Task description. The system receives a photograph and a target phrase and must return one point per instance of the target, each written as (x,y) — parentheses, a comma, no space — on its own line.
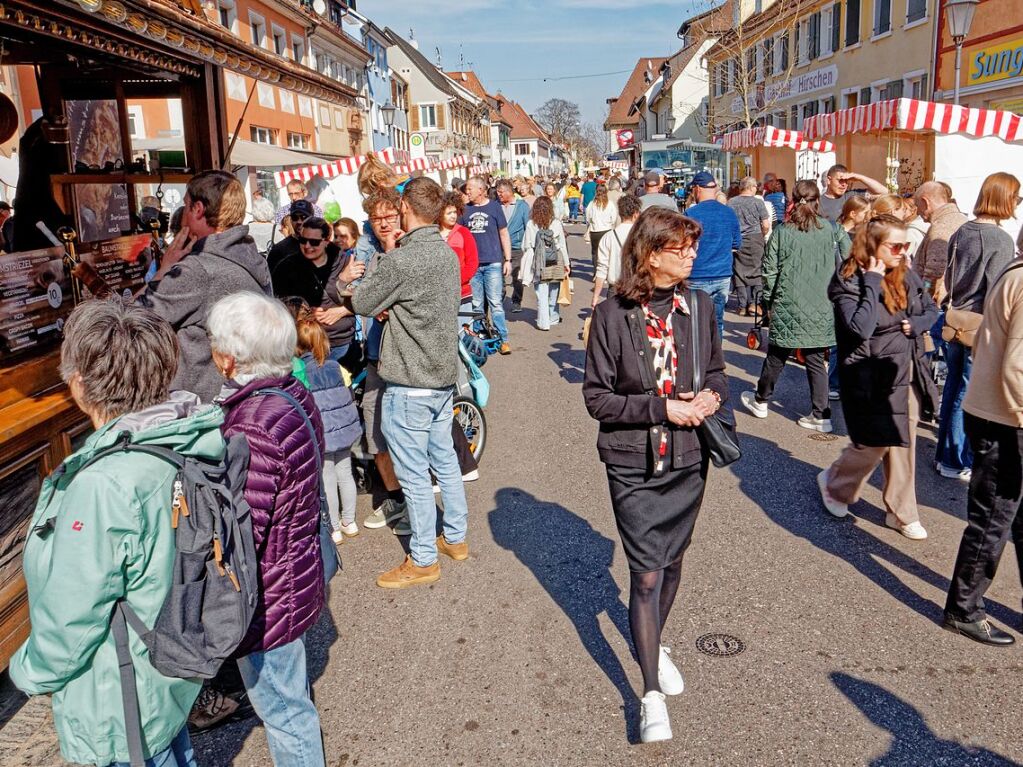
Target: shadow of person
(572,562)
(913,742)
(842,538)
(571,362)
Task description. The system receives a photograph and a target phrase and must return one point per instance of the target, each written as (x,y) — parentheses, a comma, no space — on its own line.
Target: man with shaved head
(485,219)
(936,207)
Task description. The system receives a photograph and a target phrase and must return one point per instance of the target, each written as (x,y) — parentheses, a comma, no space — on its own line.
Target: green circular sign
(416,139)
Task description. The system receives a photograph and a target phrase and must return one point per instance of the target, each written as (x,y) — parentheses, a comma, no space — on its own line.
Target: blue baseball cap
(704,180)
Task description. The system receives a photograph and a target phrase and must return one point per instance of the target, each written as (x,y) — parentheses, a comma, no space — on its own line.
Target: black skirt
(655,515)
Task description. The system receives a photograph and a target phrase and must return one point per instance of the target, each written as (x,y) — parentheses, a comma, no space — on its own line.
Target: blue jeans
(833,384)
(337,353)
(573,208)
(953,448)
(178,754)
(417,426)
(547,313)
(717,289)
(278,685)
(488,282)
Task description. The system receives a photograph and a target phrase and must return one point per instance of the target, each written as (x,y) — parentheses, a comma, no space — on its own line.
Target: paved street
(520,655)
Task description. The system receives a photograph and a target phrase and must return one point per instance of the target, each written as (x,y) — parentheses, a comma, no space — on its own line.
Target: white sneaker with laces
(822,425)
(914,530)
(338,537)
(749,401)
(668,676)
(834,508)
(963,475)
(833,395)
(351,529)
(654,724)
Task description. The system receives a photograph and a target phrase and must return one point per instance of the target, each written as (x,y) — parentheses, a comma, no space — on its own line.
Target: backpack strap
(129,692)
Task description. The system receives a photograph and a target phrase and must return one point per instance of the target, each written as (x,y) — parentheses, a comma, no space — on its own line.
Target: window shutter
(414,115)
(441,123)
(852,22)
(836,27)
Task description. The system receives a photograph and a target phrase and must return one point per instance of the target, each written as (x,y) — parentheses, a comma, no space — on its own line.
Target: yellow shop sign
(999,62)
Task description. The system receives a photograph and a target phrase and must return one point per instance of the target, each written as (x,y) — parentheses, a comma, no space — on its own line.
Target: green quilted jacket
(798,267)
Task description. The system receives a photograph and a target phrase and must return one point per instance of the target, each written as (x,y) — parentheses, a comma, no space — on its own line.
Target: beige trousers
(850,472)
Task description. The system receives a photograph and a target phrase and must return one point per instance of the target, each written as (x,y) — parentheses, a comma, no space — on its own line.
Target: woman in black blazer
(639,385)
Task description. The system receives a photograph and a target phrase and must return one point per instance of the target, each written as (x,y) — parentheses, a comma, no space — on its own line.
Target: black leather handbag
(717,434)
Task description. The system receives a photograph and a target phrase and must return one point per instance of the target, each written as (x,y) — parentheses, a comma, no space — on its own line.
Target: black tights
(651,596)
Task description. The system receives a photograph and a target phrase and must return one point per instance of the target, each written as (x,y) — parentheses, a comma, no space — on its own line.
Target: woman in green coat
(800,261)
(103,533)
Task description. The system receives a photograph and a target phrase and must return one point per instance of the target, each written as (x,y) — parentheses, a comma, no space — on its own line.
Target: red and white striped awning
(346,166)
(913,115)
(769,136)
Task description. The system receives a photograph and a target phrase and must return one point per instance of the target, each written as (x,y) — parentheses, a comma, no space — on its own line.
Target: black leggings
(816,374)
(595,238)
(651,596)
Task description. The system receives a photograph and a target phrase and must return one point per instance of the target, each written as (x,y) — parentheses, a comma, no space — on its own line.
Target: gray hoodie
(219,265)
(977,255)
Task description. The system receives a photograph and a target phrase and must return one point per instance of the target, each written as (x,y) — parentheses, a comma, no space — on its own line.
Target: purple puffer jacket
(283,490)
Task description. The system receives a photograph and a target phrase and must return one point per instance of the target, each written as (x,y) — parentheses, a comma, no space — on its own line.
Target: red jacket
(464,244)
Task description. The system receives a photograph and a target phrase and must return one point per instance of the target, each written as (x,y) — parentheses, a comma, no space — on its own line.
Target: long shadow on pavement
(913,742)
(843,538)
(572,562)
(571,361)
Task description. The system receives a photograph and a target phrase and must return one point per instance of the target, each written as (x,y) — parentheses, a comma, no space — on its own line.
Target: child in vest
(341,425)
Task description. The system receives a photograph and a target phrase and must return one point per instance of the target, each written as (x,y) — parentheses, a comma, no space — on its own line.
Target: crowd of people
(243,350)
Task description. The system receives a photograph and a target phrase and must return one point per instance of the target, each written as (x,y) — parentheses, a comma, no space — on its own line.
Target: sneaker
(505,348)
(834,508)
(471,476)
(822,425)
(914,530)
(402,526)
(210,708)
(408,573)
(351,529)
(668,676)
(654,724)
(963,475)
(338,537)
(749,401)
(516,308)
(834,395)
(457,551)
(385,513)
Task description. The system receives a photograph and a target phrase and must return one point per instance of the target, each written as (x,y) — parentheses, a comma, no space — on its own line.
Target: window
(280,40)
(731,78)
(257,28)
(916,86)
(427,116)
(915,10)
(850,99)
(298,140)
(718,78)
(882,17)
(751,66)
(228,15)
(783,59)
(813,31)
(768,58)
(864,96)
(521,149)
(893,90)
(829,30)
(827,105)
(136,123)
(263,135)
(852,22)
(298,46)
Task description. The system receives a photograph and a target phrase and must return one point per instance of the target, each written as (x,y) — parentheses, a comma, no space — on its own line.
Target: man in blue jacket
(712,272)
(516,212)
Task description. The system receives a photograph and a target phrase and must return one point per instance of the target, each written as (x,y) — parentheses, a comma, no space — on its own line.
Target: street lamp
(388,110)
(960,19)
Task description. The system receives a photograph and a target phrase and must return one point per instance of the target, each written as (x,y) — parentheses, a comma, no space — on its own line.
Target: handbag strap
(694,340)
(952,269)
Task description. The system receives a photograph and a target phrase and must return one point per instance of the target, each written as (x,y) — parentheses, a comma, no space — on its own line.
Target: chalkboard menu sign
(121,262)
(35,299)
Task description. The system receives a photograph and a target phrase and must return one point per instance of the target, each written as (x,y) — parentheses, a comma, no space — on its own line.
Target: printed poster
(35,299)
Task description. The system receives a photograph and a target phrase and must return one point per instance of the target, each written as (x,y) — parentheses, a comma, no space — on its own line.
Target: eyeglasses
(296,195)
(897,248)
(382,219)
(313,242)
(682,252)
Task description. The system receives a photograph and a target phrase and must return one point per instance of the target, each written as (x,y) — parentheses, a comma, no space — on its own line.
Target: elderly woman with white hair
(253,340)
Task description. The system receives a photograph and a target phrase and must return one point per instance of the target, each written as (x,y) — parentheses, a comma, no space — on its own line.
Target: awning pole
(238,127)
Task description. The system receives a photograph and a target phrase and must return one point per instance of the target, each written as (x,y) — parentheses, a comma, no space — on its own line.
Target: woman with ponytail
(882,313)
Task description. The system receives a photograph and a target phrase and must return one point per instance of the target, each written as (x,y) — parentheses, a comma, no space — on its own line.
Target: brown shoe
(408,574)
(211,708)
(457,551)
(505,348)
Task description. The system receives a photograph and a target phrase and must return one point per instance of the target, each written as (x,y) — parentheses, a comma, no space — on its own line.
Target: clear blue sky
(505,40)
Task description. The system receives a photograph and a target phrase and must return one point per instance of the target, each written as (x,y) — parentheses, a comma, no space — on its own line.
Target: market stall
(786,153)
(906,142)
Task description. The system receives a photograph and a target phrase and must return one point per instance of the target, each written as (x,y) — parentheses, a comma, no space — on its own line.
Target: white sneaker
(654,724)
(472,476)
(834,395)
(822,425)
(834,508)
(963,475)
(351,529)
(338,537)
(668,676)
(914,530)
(749,401)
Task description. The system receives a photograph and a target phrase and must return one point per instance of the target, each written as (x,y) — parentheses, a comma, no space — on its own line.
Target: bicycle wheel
(470,417)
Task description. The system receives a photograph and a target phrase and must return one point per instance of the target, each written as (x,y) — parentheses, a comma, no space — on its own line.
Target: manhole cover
(820,437)
(721,645)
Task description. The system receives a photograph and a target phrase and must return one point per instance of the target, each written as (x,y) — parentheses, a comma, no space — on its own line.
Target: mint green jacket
(98,535)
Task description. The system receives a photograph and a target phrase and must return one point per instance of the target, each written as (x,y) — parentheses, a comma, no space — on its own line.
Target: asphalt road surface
(521,655)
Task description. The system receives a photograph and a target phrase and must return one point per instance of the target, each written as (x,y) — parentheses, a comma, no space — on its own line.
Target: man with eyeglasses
(297,190)
(838,188)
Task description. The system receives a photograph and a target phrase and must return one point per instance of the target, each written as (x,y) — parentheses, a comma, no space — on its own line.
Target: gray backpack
(214,581)
(546,266)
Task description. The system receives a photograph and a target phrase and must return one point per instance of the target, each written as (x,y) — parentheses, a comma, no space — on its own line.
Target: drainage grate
(720,645)
(821,437)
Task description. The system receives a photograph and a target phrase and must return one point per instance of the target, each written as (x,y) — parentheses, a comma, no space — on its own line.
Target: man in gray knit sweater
(417,289)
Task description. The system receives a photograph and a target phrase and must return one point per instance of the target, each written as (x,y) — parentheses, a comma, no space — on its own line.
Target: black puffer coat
(877,361)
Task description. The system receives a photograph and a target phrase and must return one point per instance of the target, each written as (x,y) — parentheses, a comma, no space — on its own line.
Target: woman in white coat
(544,260)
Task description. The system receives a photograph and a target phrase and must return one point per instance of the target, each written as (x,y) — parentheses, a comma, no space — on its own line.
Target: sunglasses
(898,248)
(313,242)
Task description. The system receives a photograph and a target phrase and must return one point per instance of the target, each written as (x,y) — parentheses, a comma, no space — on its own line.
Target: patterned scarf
(660,333)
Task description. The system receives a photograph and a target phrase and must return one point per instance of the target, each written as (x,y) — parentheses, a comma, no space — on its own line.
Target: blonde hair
(222,196)
(887,205)
(374,176)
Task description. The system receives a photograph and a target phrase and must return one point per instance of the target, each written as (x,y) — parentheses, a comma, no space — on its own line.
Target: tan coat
(932,256)
(996,382)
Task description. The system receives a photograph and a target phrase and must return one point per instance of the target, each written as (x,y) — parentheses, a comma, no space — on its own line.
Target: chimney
(412,39)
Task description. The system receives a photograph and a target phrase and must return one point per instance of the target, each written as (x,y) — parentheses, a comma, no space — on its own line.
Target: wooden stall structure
(78,169)
(786,153)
